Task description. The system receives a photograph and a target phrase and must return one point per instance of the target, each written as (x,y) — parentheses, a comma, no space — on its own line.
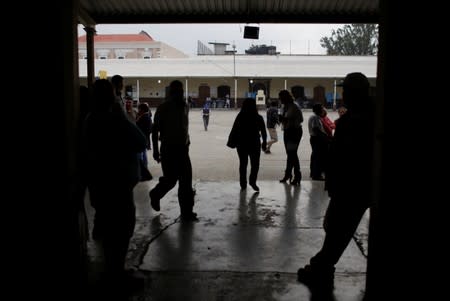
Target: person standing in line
(205,115)
(291,120)
(319,140)
(171,127)
(272,122)
(328,124)
(246,134)
(124,103)
(348,181)
(112,145)
(341,111)
(117,83)
(129,110)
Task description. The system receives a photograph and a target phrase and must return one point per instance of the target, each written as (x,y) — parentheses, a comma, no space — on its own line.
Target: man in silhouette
(171,127)
(348,181)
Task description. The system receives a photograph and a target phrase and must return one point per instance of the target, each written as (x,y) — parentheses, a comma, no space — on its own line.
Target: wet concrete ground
(246,245)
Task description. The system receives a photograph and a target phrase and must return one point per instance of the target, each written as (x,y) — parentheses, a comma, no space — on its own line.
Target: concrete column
(187,89)
(90,33)
(405,254)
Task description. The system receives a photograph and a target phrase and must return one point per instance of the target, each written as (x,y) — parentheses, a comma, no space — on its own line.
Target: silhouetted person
(247,131)
(113,145)
(145,124)
(81,157)
(341,111)
(117,83)
(319,140)
(348,180)
(291,120)
(171,127)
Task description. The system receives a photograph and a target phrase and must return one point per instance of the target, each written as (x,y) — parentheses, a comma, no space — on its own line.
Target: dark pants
(292,139)
(176,166)
(319,152)
(115,219)
(205,122)
(341,221)
(244,152)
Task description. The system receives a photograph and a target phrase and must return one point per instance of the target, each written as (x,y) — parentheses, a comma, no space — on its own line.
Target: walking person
(348,181)
(291,120)
(272,122)
(171,128)
(227,101)
(246,134)
(205,115)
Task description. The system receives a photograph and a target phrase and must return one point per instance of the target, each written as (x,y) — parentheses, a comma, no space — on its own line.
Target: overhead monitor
(251,32)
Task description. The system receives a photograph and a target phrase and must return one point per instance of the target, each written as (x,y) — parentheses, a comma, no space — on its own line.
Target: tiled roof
(126,38)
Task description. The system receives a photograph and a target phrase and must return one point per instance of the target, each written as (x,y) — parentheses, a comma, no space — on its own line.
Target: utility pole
(334,96)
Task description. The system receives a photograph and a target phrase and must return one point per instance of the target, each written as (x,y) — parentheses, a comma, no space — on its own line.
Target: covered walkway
(246,245)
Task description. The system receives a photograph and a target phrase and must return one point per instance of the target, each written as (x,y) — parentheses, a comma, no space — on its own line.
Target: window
(102,57)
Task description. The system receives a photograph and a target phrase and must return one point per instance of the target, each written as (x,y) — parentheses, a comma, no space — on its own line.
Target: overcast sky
(288,38)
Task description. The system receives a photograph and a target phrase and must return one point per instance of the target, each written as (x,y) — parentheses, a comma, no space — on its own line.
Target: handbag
(232,139)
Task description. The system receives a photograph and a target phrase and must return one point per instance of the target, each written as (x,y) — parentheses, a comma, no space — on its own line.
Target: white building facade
(239,76)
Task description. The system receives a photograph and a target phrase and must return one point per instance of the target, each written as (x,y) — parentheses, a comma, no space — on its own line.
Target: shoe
(154,201)
(189,217)
(134,280)
(267,151)
(255,188)
(316,279)
(286,178)
(296,181)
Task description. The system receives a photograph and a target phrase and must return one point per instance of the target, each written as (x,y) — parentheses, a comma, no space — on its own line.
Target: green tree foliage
(352,39)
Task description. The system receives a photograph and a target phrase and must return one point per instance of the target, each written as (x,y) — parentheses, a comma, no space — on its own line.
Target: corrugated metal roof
(231,11)
(246,66)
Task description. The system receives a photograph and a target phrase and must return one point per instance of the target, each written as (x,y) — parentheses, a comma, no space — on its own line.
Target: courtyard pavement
(246,245)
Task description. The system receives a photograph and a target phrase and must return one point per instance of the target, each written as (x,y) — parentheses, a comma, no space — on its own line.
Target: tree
(354,39)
